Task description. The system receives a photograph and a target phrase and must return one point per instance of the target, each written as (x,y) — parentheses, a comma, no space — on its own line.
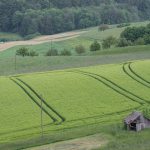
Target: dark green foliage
(137,35)
(52,52)
(52,16)
(95,46)
(22,52)
(148,26)
(65,52)
(147,39)
(3,40)
(103,27)
(80,49)
(108,42)
(122,42)
(133,33)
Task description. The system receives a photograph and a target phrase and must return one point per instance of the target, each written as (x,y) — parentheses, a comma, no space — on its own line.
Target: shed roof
(132,117)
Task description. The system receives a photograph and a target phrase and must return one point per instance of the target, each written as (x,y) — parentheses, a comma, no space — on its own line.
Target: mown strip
(114,86)
(33,99)
(47,105)
(128,71)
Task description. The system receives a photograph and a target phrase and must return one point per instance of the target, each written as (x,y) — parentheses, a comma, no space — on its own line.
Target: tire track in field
(114,87)
(34,100)
(129,71)
(39,97)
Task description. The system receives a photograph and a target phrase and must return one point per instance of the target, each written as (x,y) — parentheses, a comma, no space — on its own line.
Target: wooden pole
(51,44)
(15,61)
(42,116)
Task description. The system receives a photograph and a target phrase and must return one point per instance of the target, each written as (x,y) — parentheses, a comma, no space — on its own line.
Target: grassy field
(72,99)
(42,63)
(10,36)
(84,39)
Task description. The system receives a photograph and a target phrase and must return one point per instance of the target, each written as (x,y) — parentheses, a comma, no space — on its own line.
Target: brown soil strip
(41,39)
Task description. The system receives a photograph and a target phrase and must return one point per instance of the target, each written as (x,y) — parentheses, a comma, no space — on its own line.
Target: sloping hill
(71,98)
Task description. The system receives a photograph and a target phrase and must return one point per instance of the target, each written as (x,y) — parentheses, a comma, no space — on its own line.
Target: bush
(133,33)
(95,46)
(22,52)
(103,27)
(52,52)
(122,42)
(65,52)
(148,26)
(80,49)
(139,41)
(123,25)
(147,39)
(3,40)
(33,53)
(108,42)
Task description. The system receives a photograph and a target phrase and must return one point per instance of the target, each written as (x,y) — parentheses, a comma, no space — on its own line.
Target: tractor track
(129,71)
(33,99)
(114,86)
(50,107)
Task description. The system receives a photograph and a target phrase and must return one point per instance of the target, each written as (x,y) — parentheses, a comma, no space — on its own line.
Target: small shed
(136,122)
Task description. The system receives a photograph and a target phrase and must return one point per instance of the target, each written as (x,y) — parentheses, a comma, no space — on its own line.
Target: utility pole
(15,61)
(42,116)
(51,44)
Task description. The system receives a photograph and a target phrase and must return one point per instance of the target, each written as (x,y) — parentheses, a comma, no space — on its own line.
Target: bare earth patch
(41,39)
(85,143)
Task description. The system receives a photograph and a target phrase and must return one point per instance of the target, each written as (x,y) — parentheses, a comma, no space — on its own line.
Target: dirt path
(41,39)
(85,143)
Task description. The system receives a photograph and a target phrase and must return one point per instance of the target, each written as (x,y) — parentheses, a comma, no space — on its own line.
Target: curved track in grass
(114,87)
(50,107)
(132,74)
(33,99)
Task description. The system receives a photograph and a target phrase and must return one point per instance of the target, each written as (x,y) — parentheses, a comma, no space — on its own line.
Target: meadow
(71,99)
(43,63)
(9,36)
(85,39)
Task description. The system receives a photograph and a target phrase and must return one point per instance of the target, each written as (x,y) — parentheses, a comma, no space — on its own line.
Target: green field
(10,36)
(71,99)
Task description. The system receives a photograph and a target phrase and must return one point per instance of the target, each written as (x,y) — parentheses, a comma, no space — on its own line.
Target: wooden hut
(136,122)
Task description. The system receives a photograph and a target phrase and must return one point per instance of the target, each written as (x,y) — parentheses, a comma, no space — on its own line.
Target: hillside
(67,100)
(34,17)
(69,41)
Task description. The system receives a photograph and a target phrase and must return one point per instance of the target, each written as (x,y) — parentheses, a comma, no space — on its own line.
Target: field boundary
(128,71)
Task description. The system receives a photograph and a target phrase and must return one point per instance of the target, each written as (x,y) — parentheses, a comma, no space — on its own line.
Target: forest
(27,17)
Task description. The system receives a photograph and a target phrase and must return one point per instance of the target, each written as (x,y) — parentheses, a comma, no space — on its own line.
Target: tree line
(28,17)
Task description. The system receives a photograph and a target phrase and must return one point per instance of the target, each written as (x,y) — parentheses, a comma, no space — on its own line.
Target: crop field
(71,98)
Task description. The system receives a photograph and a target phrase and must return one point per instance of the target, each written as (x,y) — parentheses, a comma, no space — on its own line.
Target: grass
(76,102)
(42,63)
(85,39)
(76,98)
(129,140)
(10,36)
